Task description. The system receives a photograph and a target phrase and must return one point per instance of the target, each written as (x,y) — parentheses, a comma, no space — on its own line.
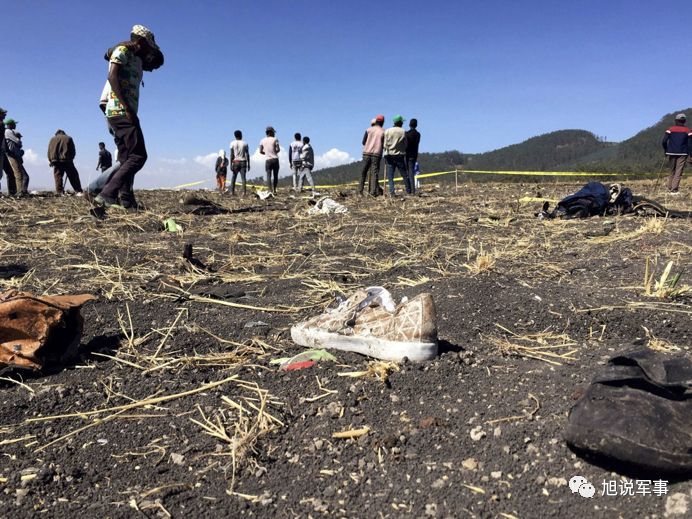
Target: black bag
(637,414)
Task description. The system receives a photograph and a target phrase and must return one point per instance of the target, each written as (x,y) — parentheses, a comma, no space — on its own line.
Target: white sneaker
(364,324)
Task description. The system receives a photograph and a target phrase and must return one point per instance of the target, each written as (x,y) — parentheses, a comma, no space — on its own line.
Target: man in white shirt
(269,147)
(294,151)
(240,160)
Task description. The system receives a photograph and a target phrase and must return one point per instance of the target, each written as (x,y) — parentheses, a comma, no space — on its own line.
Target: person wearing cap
(221,169)
(240,160)
(124,77)
(412,143)
(373,140)
(677,146)
(61,154)
(269,147)
(14,155)
(294,158)
(395,154)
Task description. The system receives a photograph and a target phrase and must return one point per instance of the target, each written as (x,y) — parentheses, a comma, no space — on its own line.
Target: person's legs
(58,173)
(375,176)
(97,184)
(17,172)
(234,175)
(410,167)
(73,176)
(243,174)
(677,169)
(308,174)
(132,154)
(268,174)
(400,162)
(367,164)
(275,171)
(390,163)
(9,174)
(295,169)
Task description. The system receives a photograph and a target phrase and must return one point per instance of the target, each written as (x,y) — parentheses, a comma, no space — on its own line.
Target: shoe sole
(371,346)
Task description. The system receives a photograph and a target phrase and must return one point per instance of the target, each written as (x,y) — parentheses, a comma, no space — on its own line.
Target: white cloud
(333,157)
(207,160)
(31,158)
(173,161)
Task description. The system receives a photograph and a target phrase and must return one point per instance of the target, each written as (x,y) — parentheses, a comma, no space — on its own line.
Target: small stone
(177,458)
(469,464)
(557,482)
(497,432)
(439,483)
(477,433)
(395,399)
(431,509)
(496,474)
(676,505)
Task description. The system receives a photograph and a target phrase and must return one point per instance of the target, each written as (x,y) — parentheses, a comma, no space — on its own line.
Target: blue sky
(477,75)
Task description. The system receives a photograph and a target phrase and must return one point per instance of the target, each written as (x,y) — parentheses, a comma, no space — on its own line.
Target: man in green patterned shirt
(124,77)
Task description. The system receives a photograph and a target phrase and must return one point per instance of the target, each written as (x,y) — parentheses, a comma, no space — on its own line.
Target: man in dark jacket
(61,154)
(105,158)
(412,143)
(676,144)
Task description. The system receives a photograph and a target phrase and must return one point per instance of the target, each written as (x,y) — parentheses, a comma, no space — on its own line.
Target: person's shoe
(79,193)
(369,323)
(674,192)
(105,202)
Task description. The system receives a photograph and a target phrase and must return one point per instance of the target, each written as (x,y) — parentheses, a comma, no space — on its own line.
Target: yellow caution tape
(464,172)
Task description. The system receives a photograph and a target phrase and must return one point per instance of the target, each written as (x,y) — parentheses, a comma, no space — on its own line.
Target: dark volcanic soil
(477,432)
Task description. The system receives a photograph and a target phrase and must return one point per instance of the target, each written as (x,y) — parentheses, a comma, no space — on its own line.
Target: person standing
(14,155)
(294,151)
(221,168)
(61,154)
(269,147)
(412,143)
(307,160)
(676,144)
(105,158)
(372,156)
(124,77)
(240,160)
(3,113)
(395,153)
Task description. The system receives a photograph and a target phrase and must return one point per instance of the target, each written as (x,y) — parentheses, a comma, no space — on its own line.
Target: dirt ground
(173,407)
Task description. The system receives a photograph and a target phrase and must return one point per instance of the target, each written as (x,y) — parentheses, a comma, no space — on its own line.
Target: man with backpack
(126,63)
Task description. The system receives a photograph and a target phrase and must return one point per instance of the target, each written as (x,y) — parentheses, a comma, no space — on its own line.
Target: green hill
(562,150)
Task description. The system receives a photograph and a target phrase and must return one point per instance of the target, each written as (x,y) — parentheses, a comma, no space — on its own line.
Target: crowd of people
(119,103)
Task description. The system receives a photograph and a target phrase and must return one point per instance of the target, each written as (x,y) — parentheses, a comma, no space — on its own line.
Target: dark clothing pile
(596,199)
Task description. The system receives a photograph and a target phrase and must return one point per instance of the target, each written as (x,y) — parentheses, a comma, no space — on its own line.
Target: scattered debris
(352,433)
(305,359)
(327,205)
(38,332)
(619,416)
(170,225)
